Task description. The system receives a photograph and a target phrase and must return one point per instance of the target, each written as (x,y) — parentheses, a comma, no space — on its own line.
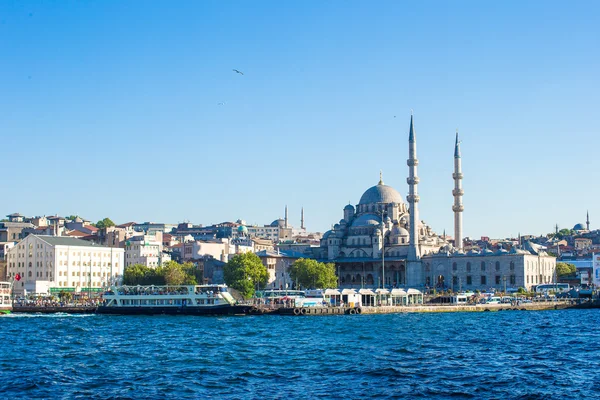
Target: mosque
(382,242)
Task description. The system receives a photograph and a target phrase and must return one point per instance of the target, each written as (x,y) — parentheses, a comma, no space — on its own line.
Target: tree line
(171,273)
(247,274)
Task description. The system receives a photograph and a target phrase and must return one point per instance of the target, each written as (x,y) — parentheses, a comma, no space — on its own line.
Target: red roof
(126,225)
(77,234)
(91,228)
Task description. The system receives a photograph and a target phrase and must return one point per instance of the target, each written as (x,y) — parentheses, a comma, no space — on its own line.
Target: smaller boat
(171,300)
(5,297)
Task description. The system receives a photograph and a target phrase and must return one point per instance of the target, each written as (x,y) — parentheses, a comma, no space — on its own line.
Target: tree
(71,217)
(565,269)
(104,223)
(312,274)
(245,272)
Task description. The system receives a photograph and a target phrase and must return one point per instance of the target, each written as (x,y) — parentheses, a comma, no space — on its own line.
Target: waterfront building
(50,264)
(278,265)
(382,242)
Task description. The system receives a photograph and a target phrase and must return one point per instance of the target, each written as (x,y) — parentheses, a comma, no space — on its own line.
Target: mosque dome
(486,252)
(242,229)
(326,235)
(366,220)
(349,207)
(380,193)
(278,222)
(579,227)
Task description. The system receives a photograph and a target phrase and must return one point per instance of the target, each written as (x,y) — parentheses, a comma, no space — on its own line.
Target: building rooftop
(64,241)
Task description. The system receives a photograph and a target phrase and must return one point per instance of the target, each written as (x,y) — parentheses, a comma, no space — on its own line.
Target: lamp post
(504,279)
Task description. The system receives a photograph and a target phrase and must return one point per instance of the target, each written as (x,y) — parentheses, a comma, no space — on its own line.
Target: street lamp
(504,279)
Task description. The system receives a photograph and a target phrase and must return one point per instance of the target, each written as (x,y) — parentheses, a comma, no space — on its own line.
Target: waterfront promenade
(313,311)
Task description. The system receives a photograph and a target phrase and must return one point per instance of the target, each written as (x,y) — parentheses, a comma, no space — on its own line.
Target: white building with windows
(145,250)
(50,264)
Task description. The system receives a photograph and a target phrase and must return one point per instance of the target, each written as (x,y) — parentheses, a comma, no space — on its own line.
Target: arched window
(30,265)
(30,274)
(468,267)
(454,267)
(512,265)
(483,266)
(497,265)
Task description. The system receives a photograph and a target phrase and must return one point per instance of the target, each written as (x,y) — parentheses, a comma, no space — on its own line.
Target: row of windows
(483,266)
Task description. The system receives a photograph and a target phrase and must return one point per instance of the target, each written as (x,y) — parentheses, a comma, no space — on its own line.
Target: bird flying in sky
(239,72)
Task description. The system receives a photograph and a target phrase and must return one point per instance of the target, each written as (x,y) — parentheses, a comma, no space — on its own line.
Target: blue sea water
(495,355)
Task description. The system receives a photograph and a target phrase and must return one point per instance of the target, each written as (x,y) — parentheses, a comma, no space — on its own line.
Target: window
(513,280)
(512,265)
(469,280)
(497,265)
(468,267)
(454,267)
(483,280)
(483,266)
(497,279)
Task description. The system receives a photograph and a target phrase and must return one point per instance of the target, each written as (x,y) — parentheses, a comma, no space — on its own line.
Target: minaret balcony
(413,198)
(413,181)
(412,162)
(457,175)
(458,192)
(458,208)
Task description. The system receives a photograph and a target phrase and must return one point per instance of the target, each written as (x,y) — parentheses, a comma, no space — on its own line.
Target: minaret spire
(380,177)
(458,192)
(286,216)
(413,197)
(302,218)
(587,221)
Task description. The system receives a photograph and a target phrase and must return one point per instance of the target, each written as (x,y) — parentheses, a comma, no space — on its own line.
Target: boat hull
(224,309)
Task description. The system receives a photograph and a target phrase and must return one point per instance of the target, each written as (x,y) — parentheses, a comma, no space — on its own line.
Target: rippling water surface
(528,355)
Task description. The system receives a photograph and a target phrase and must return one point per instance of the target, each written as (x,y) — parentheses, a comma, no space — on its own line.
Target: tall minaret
(587,221)
(413,259)
(302,218)
(458,192)
(286,216)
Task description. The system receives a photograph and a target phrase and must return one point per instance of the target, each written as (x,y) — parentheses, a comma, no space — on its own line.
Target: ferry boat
(172,300)
(5,297)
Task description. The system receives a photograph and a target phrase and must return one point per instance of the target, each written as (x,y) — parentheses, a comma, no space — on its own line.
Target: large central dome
(381,193)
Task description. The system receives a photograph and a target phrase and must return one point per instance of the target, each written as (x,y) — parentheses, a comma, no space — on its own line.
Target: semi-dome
(366,220)
(380,193)
(398,230)
(278,222)
(579,227)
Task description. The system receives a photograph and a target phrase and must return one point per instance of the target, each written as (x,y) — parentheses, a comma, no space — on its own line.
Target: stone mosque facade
(382,242)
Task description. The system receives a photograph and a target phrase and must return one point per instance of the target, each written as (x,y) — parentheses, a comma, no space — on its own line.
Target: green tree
(139,274)
(312,274)
(104,223)
(565,269)
(71,217)
(245,272)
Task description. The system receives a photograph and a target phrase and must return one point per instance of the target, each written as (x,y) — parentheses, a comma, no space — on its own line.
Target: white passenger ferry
(5,297)
(176,300)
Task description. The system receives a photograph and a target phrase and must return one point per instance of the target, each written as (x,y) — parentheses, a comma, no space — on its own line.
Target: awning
(382,291)
(414,291)
(332,292)
(367,291)
(348,291)
(398,292)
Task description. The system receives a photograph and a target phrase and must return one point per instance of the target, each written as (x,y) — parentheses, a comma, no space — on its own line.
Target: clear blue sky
(111,108)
